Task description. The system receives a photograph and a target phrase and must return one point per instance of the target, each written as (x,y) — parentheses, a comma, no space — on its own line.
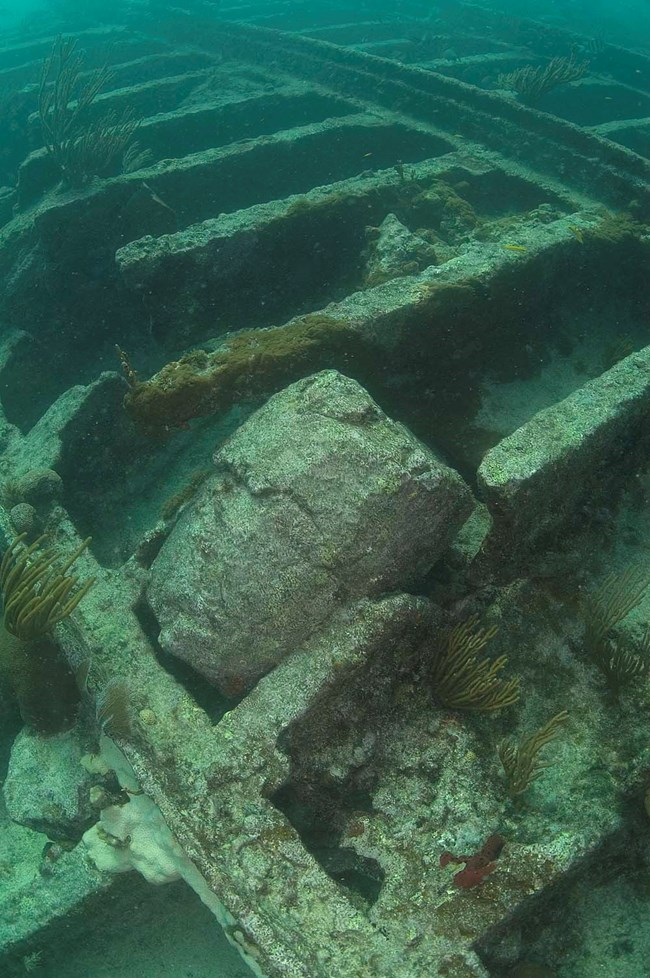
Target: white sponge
(135,836)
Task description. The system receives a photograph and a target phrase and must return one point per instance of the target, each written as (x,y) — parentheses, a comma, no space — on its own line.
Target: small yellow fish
(578,232)
(512,247)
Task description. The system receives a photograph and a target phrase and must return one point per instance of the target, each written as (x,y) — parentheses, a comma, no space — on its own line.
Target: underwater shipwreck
(325,503)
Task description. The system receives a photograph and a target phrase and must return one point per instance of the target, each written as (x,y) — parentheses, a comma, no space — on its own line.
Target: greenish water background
(627,22)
